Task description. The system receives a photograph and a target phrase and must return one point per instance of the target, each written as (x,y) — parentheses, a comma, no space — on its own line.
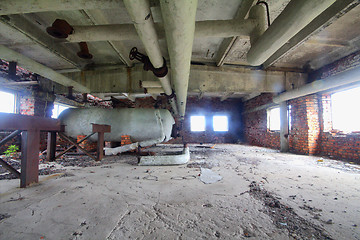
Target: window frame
(268,116)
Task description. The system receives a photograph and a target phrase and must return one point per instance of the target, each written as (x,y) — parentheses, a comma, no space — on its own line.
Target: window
(345,110)
(220,123)
(273,121)
(57,110)
(197,123)
(7,102)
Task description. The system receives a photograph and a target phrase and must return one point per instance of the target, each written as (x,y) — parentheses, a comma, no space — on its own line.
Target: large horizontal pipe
(8,7)
(341,79)
(33,66)
(296,15)
(203,29)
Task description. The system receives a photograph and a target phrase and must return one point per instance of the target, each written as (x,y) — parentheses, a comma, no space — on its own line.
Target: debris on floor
(207,176)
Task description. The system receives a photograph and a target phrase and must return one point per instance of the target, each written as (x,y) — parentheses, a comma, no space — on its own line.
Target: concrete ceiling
(328,39)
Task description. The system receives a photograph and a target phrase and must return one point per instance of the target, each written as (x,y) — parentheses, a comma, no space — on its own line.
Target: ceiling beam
(334,11)
(20,24)
(98,18)
(228,43)
(35,67)
(8,7)
(203,79)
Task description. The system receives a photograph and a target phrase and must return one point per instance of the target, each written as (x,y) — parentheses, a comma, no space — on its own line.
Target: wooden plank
(9,168)
(100,146)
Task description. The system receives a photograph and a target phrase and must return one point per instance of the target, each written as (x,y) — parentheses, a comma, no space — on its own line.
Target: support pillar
(51,146)
(30,145)
(284,127)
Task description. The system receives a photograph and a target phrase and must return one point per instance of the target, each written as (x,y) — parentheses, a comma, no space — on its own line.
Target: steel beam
(9,121)
(51,146)
(30,146)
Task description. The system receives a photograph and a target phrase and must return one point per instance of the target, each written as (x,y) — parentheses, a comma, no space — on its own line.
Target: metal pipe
(139,11)
(179,23)
(33,66)
(296,15)
(121,32)
(338,80)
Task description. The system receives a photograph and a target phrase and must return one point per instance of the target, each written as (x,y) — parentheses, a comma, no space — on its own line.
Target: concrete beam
(20,24)
(8,7)
(226,44)
(296,15)
(33,66)
(342,79)
(98,17)
(334,11)
(203,79)
(284,127)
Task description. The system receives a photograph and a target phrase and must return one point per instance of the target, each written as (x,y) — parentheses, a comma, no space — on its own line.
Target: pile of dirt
(285,217)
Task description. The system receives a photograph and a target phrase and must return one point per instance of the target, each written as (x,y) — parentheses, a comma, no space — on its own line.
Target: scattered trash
(207,176)
(330,221)
(283,224)
(182,178)
(320,160)
(217,234)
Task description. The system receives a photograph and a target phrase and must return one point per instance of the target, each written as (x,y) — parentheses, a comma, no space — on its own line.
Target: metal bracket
(158,72)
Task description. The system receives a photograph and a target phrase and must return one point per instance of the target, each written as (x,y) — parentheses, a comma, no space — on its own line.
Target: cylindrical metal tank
(141,124)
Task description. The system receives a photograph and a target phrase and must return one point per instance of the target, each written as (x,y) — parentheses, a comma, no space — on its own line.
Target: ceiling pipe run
(342,79)
(121,32)
(179,24)
(296,15)
(33,66)
(139,11)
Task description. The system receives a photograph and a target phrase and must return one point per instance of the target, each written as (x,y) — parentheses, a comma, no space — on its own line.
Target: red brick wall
(304,136)
(210,107)
(256,132)
(310,132)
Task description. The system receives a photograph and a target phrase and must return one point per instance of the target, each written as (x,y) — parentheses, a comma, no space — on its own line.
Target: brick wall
(210,107)
(311,128)
(256,132)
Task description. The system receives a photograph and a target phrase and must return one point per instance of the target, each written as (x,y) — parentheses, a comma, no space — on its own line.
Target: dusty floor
(263,195)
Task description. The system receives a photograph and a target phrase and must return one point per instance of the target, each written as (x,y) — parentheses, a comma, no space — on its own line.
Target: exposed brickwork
(311,129)
(256,132)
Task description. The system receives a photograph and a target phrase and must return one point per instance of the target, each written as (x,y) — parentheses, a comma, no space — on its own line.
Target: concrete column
(284,128)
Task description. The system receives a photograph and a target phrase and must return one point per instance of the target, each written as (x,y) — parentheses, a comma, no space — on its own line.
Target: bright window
(197,123)
(57,110)
(220,123)
(7,102)
(345,110)
(273,121)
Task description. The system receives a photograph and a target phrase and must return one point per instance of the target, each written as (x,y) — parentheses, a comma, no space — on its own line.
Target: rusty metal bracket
(158,72)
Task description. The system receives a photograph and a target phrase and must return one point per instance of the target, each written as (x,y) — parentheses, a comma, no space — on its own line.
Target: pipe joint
(158,72)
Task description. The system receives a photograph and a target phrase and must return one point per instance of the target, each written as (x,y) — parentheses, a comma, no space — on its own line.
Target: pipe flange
(161,72)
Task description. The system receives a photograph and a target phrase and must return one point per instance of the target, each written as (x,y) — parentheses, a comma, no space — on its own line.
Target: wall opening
(273,119)
(197,123)
(7,104)
(58,108)
(220,123)
(345,110)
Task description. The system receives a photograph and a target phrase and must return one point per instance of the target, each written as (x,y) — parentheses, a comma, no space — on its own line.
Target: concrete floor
(263,195)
